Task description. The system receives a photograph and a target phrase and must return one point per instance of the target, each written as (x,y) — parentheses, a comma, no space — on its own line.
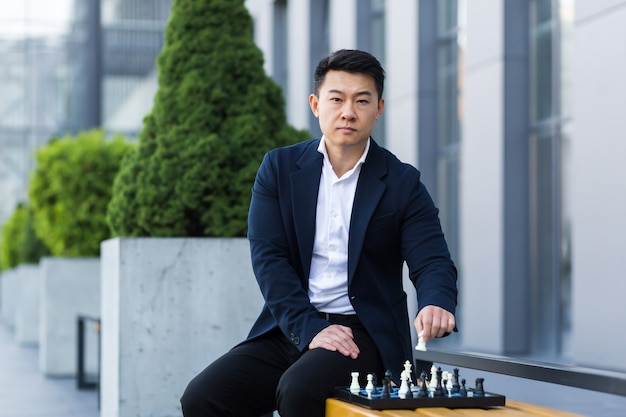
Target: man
(331,222)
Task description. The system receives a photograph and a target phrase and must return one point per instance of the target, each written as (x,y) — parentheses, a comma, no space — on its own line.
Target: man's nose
(347,112)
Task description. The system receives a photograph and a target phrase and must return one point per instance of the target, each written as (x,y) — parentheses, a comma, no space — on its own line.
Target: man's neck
(343,159)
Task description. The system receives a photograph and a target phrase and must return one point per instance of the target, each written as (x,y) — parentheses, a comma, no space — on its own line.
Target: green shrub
(71,188)
(215,115)
(12,232)
(19,243)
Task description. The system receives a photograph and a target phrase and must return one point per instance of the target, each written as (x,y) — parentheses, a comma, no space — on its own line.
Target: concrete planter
(8,297)
(69,287)
(169,307)
(27,305)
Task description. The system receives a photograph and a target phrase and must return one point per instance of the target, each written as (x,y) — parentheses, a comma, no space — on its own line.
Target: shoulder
(394,167)
(294,156)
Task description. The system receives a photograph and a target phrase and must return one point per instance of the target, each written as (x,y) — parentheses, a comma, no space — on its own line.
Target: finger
(336,338)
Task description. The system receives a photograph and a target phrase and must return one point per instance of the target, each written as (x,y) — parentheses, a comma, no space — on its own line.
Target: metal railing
(83,380)
(609,382)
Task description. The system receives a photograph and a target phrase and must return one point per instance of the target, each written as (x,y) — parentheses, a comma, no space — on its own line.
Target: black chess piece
(375,383)
(479,390)
(439,392)
(456,388)
(423,391)
(386,393)
(463,390)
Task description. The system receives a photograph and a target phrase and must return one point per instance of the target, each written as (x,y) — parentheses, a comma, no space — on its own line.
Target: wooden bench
(340,408)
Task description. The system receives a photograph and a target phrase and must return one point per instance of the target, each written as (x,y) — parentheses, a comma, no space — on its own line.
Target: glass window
(371,38)
(280,60)
(449,52)
(549,234)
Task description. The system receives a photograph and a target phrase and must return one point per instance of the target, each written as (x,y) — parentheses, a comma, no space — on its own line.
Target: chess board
(394,402)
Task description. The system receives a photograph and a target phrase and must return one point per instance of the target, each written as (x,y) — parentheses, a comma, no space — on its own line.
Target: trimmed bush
(12,232)
(215,115)
(71,188)
(19,243)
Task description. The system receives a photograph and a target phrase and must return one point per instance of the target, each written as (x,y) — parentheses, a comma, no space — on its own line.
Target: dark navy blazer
(393,220)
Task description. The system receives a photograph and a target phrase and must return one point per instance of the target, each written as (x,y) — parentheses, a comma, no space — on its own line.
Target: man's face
(347,108)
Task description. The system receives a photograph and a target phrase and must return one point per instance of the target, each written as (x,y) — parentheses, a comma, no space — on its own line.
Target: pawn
(385,389)
(463,390)
(479,390)
(374,384)
(370,384)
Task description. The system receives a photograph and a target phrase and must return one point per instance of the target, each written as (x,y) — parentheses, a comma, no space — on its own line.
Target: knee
(194,401)
(295,398)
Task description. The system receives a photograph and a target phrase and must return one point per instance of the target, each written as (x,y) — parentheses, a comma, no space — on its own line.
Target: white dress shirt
(328,278)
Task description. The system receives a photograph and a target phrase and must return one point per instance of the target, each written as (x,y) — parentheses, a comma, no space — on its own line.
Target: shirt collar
(321,148)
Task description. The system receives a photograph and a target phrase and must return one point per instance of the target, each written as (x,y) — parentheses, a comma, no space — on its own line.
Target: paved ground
(24,392)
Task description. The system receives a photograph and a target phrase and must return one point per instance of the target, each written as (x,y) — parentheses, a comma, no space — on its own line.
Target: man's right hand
(336,338)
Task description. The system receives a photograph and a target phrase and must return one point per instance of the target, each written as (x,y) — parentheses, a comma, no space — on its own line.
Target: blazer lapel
(369,191)
(304,190)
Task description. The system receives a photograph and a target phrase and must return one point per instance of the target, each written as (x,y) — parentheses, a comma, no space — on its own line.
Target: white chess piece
(433,377)
(404,386)
(408,369)
(355,388)
(421,343)
(370,383)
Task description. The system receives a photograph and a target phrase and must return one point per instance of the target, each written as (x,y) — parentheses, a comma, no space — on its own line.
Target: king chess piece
(439,388)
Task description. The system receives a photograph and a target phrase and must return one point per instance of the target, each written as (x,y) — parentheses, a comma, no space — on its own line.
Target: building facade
(512,112)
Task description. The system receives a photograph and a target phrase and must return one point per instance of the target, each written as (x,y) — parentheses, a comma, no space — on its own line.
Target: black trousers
(270,373)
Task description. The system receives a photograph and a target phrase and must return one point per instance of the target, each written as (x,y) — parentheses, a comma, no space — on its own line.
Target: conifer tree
(214,116)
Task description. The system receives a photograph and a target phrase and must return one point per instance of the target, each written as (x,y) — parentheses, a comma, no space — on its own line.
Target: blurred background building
(512,110)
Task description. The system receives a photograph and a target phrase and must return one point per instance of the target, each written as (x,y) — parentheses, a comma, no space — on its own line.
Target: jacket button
(292,336)
(296,340)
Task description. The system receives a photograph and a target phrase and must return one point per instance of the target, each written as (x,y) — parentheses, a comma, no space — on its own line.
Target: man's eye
(335,99)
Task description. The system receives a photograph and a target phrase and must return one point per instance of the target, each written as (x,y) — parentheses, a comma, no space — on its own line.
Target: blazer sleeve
(282,286)
(431,269)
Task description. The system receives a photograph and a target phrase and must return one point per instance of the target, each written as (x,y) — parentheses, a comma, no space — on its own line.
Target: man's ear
(381,107)
(314,102)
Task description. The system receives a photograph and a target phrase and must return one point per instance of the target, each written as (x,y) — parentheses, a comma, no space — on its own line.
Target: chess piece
(408,370)
(438,388)
(404,385)
(456,388)
(421,343)
(479,390)
(355,388)
(370,384)
(463,390)
(433,378)
(386,389)
(423,391)
(374,384)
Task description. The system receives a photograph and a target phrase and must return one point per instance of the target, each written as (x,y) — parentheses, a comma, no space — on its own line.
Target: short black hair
(350,60)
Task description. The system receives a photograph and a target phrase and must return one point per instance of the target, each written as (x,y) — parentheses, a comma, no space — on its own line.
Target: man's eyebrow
(360,93)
